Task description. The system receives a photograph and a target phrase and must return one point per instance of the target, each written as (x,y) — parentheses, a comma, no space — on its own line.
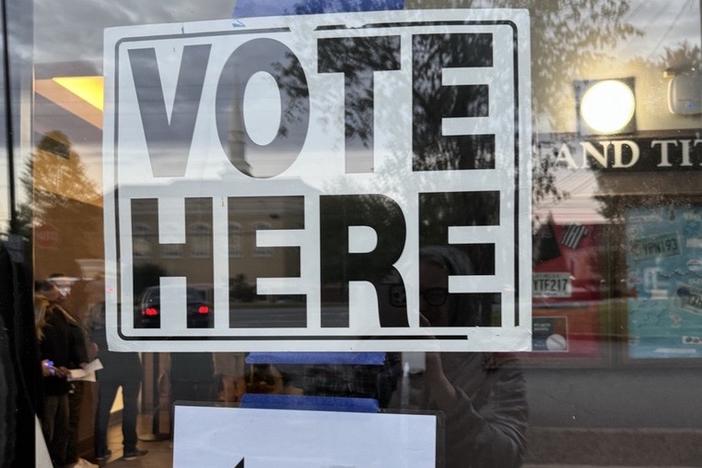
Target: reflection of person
(482,395)
(53,327)
(20,374)
(79,352)
(119,370)
(75,396)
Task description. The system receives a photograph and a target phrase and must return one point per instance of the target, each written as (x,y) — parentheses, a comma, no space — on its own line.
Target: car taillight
(150,311)
(203,310)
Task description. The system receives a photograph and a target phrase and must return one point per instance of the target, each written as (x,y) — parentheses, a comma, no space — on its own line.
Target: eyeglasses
(432,296)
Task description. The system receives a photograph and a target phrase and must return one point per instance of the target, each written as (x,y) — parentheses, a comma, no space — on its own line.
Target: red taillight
(203,310)
(150,311)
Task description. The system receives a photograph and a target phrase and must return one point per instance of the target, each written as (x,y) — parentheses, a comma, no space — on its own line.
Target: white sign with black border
(383,138)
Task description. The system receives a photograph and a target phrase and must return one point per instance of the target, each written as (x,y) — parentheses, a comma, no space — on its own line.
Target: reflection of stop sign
(46,237)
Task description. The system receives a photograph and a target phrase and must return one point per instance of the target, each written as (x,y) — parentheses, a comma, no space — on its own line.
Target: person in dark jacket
(57,352)
(78,343)
(20,372)
(119,370)
(482,395)
(75,393)
(8,387)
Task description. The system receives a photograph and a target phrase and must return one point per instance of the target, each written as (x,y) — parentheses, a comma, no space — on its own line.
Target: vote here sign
(319,183)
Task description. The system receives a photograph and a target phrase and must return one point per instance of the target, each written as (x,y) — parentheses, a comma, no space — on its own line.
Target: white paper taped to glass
(323,182)
(264,438)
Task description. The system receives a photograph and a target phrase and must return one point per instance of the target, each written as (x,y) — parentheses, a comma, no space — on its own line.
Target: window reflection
(235,240)
(616,249)
(143,240)
(261,251)
(202,245)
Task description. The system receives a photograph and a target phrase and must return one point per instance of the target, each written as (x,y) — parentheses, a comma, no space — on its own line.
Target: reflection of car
(148,310)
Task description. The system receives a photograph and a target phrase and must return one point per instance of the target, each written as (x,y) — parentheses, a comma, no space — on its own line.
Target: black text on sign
(320,183)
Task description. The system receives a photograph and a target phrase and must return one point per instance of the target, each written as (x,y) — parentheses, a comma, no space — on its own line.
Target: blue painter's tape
(309,403)
(251,8)
(363,359)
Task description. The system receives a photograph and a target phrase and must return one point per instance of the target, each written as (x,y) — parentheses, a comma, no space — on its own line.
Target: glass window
(235,240)
(202,243)
(261,251)
(610,115)
(143,240)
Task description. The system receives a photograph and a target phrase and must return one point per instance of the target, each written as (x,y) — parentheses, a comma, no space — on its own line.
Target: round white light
(608,106)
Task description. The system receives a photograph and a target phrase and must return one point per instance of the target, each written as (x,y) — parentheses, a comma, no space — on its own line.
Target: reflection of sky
(73,31)
(664,23)
(253,8)
(57,38)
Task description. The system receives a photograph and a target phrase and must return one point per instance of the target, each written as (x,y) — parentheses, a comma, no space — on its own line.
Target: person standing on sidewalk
(53,334)
(76,390)
(119,370)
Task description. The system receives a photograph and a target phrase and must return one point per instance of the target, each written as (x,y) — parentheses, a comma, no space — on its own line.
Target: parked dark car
(147,312)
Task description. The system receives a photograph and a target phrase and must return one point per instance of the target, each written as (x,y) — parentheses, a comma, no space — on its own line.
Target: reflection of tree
(566,38)
(241,290)
(680,58)
(58,175)
(618,207)
(64,200)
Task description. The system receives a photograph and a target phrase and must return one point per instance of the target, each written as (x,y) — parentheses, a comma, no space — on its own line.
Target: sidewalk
(599,466)
(623,447)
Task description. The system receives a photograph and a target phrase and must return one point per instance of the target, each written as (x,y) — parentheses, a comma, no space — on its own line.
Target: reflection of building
(247,261)
(608,394)
(67,209)
(567,287)
(237,137)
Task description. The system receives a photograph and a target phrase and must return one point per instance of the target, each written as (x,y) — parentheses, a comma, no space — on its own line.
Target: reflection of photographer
(482,395)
